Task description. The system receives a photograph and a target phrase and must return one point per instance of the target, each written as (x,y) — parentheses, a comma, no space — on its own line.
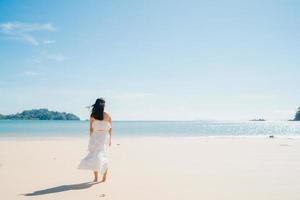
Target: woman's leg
(104,175)
(96,176)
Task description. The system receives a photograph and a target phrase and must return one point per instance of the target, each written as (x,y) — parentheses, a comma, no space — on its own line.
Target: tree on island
(40,114)
(297,116)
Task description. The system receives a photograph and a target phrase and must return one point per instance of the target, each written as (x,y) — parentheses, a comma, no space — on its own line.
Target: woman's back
(101,125)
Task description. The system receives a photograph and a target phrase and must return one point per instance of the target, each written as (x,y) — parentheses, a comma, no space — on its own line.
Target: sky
(152,60)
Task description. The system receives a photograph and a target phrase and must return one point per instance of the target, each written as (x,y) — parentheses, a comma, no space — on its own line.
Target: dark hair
(98,109)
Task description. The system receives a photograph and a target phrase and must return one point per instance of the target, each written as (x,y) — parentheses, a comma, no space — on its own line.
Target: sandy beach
(154,168)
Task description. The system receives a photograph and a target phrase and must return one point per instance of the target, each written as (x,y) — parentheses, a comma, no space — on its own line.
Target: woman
(100,138)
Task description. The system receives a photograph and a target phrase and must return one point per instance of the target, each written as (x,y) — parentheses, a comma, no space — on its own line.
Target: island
(257,120)
(297,115)
(40,114)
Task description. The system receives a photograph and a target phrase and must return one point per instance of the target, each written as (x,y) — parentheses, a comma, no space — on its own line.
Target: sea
(54,129)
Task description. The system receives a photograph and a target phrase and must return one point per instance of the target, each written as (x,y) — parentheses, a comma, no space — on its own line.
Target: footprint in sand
(102,195)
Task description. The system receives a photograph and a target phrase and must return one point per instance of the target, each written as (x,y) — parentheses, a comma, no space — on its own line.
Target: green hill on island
(297,116)
(40,114)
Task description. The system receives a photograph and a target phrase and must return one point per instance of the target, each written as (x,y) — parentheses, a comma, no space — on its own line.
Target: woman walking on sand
(100,138)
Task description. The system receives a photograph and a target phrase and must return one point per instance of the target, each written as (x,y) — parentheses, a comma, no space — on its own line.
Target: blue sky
(152,60)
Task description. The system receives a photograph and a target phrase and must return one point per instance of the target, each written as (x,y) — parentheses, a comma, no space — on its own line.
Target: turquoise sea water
(32,128)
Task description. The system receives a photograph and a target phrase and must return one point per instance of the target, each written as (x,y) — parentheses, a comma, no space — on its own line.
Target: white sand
(154,168)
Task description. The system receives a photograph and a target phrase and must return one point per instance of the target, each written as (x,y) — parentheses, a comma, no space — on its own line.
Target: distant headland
(297,115)
(40,114)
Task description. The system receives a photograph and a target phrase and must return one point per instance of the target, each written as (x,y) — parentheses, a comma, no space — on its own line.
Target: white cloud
(49,41)
(24,31)
(26,27)
(31,73)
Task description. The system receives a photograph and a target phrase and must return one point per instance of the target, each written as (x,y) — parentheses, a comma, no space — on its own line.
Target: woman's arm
(110,131)
(91,125)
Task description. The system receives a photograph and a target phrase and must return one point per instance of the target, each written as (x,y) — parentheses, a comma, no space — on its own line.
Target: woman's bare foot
(96,176)
(104,176)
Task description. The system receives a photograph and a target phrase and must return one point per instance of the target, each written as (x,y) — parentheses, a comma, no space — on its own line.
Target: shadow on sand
(62,188)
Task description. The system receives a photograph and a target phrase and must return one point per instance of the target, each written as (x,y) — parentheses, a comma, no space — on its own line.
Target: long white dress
(97,159)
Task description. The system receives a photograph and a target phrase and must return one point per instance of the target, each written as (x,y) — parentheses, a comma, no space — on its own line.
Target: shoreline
(54,129)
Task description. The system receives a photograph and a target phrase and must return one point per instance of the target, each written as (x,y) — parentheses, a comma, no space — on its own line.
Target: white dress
(97,160)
